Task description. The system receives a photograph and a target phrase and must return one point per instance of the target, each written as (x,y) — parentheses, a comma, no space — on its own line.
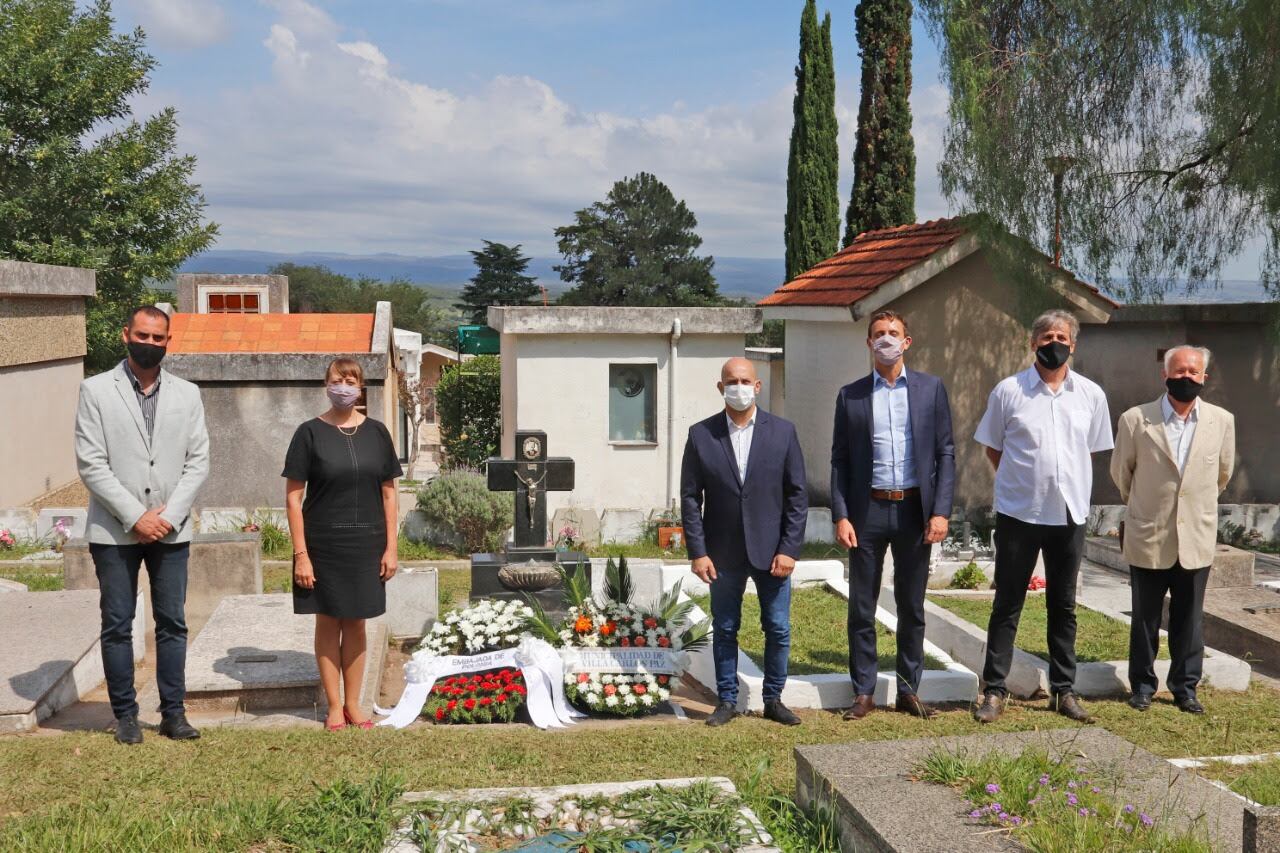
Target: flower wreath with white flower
(616,622)
(487,625)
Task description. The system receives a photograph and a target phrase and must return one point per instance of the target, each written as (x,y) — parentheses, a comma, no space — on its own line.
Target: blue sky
(424,126)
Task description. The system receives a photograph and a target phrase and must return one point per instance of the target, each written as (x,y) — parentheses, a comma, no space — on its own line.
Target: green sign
(478,340)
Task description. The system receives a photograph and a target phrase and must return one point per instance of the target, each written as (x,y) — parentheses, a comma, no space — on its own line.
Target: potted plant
(670,530)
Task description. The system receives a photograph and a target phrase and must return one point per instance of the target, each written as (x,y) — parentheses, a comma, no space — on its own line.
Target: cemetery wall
(1244,377)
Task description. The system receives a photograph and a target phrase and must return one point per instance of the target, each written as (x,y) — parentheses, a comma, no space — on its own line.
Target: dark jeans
(117,568)
(1017,545)
(726,617)
(896,525)
(1186,620)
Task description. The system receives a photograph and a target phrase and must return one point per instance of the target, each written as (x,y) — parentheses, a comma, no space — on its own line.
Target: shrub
(469,405)
(968,577)
(460,500)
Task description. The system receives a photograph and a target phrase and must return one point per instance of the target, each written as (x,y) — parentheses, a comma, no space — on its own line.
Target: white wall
(559,383)
(37,441)
(822,357)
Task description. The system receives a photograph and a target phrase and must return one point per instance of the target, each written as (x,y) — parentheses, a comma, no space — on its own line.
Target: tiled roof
(873,258)
(297,333)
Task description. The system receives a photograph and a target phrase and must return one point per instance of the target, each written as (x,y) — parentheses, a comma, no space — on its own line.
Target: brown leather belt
(894,494)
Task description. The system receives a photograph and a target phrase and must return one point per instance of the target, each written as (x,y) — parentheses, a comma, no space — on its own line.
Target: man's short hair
(1056,317)
(149,311)
(887,314)
(1204,353)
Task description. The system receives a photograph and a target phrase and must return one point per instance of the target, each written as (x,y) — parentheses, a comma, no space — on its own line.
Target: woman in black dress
(344,533)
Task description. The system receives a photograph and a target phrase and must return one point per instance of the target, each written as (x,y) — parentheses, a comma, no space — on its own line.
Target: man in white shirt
(1173,458)
(1040,427)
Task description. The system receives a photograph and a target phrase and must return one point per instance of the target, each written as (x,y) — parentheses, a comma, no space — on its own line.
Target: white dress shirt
(740,438)
(1045,438)
(1179,431)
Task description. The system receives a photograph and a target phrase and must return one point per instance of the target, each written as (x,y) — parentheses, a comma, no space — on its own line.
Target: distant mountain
(753,277)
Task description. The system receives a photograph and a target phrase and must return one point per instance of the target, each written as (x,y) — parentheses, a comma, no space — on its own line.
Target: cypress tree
(813,167)
(884,159)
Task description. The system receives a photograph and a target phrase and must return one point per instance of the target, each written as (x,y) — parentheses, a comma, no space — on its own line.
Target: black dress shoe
(176,727)
(1189,705)
(723,713)
(1068,705)
(780,713)
(863,704)
(127,730)
(1140,701)
(909,703)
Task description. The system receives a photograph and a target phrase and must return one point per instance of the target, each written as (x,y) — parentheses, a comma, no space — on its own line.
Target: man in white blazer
(1173,458)
(143,453)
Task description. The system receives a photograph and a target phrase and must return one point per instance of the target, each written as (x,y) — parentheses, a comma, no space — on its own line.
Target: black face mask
(1184,389)
(146,356)
(1053,354)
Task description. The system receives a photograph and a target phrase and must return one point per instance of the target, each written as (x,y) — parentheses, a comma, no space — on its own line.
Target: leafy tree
(1162,116)
(469,406)
(884,157)
(813,166)
(635,248)
(499,280)
(81,182)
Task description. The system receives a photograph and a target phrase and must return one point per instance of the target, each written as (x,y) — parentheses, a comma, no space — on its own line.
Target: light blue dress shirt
(893,457)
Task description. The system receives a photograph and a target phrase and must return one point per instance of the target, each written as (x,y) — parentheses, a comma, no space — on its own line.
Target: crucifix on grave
(527,567)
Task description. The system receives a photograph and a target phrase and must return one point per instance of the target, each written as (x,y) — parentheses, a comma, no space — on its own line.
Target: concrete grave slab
(49,653)
(1232,567)
(222,519)
(585,521)
(220,564)
(1261,830)
(646,579)
(1245,623)
(819,527)
(20,522)
(868,783)
(413,601)
(1264,518)
(622,525)
(75,519)
(7,585)
(256,653)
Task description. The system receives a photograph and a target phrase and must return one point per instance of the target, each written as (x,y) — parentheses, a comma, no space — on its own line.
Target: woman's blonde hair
(341,368)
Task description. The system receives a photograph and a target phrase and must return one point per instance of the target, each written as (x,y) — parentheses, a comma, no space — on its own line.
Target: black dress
(344,523)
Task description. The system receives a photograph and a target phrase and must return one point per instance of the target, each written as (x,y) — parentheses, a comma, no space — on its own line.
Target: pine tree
(499,280)
(813,168)
(884,159)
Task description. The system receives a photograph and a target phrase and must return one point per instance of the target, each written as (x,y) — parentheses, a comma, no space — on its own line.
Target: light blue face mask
(341,395)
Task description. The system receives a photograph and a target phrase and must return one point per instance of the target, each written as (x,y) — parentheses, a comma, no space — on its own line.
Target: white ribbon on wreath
(540,664)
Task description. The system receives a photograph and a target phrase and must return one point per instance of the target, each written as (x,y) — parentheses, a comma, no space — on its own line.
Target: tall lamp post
(1058,166)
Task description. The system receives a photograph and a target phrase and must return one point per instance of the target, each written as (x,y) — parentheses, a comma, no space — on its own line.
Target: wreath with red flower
(484,697)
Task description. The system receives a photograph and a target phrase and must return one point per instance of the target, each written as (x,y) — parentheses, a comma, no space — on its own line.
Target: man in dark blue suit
(892,480)
(744,504)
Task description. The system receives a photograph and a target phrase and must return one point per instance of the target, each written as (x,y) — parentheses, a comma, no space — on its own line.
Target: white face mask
(740,397)
(888,349)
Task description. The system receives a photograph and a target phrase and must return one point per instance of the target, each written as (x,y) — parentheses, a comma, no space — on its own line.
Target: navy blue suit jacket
(740,524)
(935,452)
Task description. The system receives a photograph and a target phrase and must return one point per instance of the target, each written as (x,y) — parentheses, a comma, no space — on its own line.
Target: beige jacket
(1172,518)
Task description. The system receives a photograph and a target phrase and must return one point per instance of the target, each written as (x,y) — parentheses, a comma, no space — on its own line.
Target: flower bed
(487,697)
(1047,804)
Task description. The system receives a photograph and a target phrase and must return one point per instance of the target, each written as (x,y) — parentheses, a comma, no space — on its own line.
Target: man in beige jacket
(1173,458)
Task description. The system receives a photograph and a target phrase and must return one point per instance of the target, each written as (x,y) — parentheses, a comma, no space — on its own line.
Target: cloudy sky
(424,126)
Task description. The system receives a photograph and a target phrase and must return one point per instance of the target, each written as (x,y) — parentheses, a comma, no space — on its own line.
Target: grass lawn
(1259,781)
(1098,637)
(650,550)
(819,634)
(37,578)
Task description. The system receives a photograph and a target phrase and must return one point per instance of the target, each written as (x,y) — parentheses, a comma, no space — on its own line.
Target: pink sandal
(367,724)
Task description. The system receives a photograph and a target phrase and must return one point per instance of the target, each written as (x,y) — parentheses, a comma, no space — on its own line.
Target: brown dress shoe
(863,704)
(909,703)
(1069,706)
(991,708)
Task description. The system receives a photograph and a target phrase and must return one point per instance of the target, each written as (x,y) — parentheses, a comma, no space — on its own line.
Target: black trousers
(896,525)
(1186,623)
(1018,543)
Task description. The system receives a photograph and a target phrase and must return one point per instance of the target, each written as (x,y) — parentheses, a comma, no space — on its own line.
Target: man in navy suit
(892,480)
(744,505)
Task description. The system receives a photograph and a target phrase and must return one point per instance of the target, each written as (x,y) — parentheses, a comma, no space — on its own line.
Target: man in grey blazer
(143,453)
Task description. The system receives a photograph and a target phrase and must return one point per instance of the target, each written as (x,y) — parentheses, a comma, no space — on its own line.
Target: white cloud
(181,23)
(340,151)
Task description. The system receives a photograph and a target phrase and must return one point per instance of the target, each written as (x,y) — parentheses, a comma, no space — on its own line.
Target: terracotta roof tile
(214,333)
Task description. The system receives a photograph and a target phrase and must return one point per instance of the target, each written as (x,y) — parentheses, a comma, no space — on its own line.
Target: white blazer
(125,471)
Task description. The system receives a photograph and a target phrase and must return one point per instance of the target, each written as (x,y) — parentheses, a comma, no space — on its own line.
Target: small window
(217,304)
(632,396)
(234,303)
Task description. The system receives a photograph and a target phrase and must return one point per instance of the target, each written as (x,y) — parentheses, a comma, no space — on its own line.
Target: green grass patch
(1259,781)
(24,547)
(1098,637)
(37,578)
(650,550)
(1049,804)
(819,634)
